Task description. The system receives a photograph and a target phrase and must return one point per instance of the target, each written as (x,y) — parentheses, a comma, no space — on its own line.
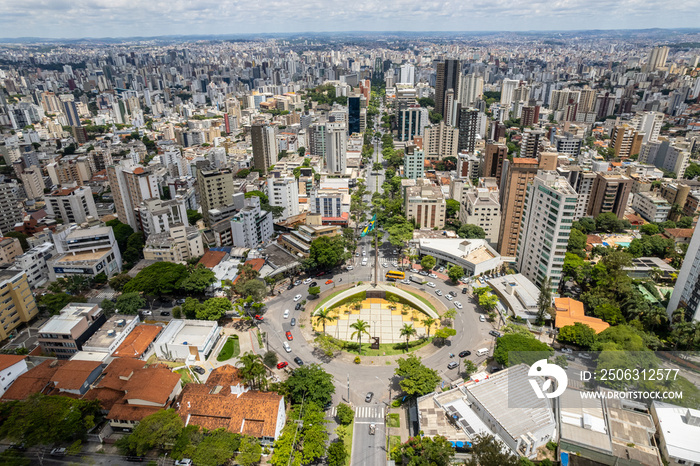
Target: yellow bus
(395,275)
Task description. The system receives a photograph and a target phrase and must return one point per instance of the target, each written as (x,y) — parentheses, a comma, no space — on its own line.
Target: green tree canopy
(314,290)
(326,252)
(516,348)
(470,231)
(122,231)
(194,216)
(609,223)
(345,414)
(198,280)
(578,334)
(312,383)
(417,379)
(54,302)
(216,448)
(424,451)
(488,451)
(158,279)
(24,244)
(649,229)
(337,454)
(452,208)
(428,262)
(213,309)
(249,451)
(158,430)
(692,172)
(130,303)
(118,281)
(255,289)
(577,240)
(455,273)
(586,225)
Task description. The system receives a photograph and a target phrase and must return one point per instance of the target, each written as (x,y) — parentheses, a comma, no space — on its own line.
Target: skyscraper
(657,59)
(407,74)
(411,121)
(471,89)
(215,188)
(467,122)
(447,77)
(284,192)
(131,184)
(353,115)
(546,225)
(10,210)
(413,162)
(494,155)
(264,146)
(609,194)
(336,147)
(71,112)
(686,293)
(507,88)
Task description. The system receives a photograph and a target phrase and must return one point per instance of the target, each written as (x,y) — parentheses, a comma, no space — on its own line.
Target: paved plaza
(383,322)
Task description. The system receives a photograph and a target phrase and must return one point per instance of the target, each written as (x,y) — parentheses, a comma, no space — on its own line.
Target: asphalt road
(369,449)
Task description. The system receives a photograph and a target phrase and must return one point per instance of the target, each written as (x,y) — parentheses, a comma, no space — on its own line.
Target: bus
(395,275)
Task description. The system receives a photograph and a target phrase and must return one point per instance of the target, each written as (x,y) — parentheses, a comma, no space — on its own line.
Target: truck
(417,279)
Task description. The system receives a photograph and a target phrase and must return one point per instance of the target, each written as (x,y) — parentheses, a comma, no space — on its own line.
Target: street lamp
(386,385)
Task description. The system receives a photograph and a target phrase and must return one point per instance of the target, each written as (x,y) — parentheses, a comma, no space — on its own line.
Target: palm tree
(360,327)
(324,316)
(407,331)
(449,314)
(428,322)
(252,369)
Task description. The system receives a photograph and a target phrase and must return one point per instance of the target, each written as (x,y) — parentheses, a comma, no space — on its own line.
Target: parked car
(566,350)
(495,333)
(297,307)
(313,284)
(289,336)
(453,294)
(58,452)
(306,281)
(147,313)
(180,301)
(369,397)
(430,284)
(183,462)
(291,285)
(482,318)
(449,298)
(297,298)
(293,322)
(464,290)
(282,365)
(199,370)
(136,459)
(165,313)
(585,356)
(298,361)
(452,365)
(297,282)
(350,267)
(432,275)
(286,314)
(438,292)
(423,272)
(465,353)
(329,281)
(258,317)
(414,271)
(286,346)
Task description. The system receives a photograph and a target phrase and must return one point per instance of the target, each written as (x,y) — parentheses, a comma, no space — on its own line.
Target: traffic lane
(369,449)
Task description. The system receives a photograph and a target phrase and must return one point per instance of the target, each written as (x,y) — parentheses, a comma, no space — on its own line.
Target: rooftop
(570,311)
(518,293)
(33,381)
(474,251)
(680,428)
(110,330)
(138,341)
(69,318)
(73,374)
(9,360)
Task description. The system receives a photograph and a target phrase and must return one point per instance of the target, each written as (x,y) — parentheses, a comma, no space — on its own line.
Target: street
(367,448)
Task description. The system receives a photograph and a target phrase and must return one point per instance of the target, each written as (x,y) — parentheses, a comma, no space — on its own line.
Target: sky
(126,18)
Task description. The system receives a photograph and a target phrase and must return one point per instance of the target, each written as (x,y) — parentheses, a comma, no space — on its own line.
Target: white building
(471,89)
(686,292)
(507,88)
(33,263)
(11,367)
(482,208)
(679,431)
(158,216)
(475,256)
(425,203)
(187,340)
(336,147)
(329,202)
(284,192)
(652,208)
(131,184)
(111,334)
(179,244)
(251,225)
(71,205)
(87,251)
(407,75)
(413,162)
(650,124)
(550,203)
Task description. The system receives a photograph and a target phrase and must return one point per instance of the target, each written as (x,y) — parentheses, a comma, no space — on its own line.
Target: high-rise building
(71,113)
(494,156)
(407,75)
(71,205)
(131,184)
(550,202)
(447,77)
(686,292)
(158,216)
(670,156)
(609,193)
(657,59)
(626,141)
(481,208)
(520,173)
(411,121)
(567,143)
(650,124)
(215,190)
(353,114)
(471,89)
(440,141)
(284,192)
(531,143)
(507,88)
(18,305)
(468,128)
(336,147)
(10,207)
(329,202)
(264,146)
(317,140)
(413,162)
(33,182)
(251,226)
(530,115)
(425,203)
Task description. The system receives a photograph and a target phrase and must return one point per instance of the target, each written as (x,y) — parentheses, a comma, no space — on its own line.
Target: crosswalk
(361,412)
(105,295)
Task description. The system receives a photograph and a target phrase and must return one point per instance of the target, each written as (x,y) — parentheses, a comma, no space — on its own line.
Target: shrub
(357,360)
(552,446)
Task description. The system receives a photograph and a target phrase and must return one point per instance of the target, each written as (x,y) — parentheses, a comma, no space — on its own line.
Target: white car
(307,281)
(364,253)
(414,271)
(385,265)
(350,267)
(297,298)
(448,297)
(482,319)
(438,292)
(458,305)
(430,284)
(147,313)
(286,314)
(183,462)
(432,275)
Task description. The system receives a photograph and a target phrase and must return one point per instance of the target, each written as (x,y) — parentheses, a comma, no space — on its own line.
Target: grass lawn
(326,299)
(393,420)
(185,376)
(394,441)
(231,349)
(424,300)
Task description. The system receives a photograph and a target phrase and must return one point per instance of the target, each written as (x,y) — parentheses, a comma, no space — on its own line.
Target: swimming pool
(624,244)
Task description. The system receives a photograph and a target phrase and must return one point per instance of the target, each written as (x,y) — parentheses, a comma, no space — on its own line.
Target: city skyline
(64,20)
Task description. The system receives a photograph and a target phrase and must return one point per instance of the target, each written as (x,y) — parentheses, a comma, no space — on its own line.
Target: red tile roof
(138,341)
(679,232)
(9,360)
(73,374)
(35,380)
(211,259)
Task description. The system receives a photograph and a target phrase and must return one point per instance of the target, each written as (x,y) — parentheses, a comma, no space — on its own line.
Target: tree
(407,331)
(417,379)
(685,222)
(198,280)
(360,327)
(214,309)
(608,223)
(455,273)
(158,279)
(303,439)
(577,241)
(122,231)
(488,301)
(470,231)
(544,301)
(134,248)
(419,451)
(443,334)
(469,368)
(428,322)
(337,454)
(326,252)
(158,430)
(252,370)
(108,307)
(649,229)
(345,414)
(130,303)
(488,451)
(578,334)
(692,172)
(190,307)
(249,451)
(218,447)
(427,263)
(449,314)
(312,383)
(324,316)
(516,348)
(609,312)
(43,420)
(451,208)
(586,225)
(118,281)
(54,302)
(256,289)
(100,278)
(314,290)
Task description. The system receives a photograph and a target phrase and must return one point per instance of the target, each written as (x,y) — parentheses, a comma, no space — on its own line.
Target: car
(464,354)
(297,282)
(357,254)
(495,333)
(329,281)
(291,285)
(458,305)
(298,361)
(372,429)
(385,265)
(165,313)
(585,356)
(297,307)
(453,294)
(199,370)
(293,322)
(423,272)
(313,284)
(350,267)
(289,336)
(369,397)
(306,281)
(18,447)
(259,317)
(449,298)
(438,292)
(464,291)
(282,365)
(147,313)
(432,275)
(180,301)
(364,253)
(286,314)
(453,365)
(183,462)
(286,346)
(406,281)
(414,271)
(297,298)
(58,452)
(430,284)
(567,350)
(320,274)
(482,319)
